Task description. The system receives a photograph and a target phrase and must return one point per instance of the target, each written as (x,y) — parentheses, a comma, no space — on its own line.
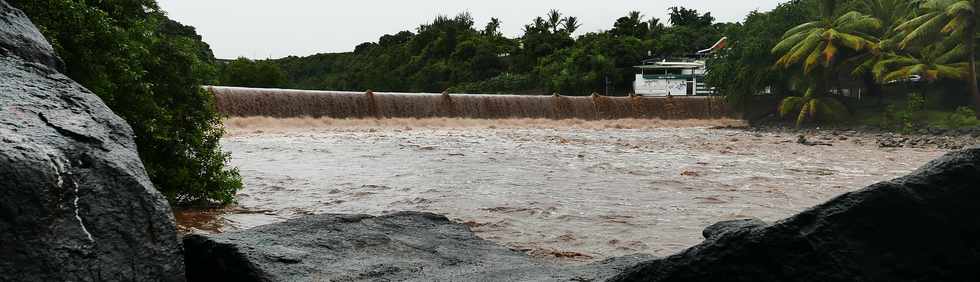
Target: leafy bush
(962,117)
(506,83)
(911,116)
(247,73)
(889,118)
(906,119)
(148,70)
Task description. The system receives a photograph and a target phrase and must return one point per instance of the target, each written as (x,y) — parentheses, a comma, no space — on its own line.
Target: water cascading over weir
(283,103)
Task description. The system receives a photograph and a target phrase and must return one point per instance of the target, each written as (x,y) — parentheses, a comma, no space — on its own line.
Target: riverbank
(932,137)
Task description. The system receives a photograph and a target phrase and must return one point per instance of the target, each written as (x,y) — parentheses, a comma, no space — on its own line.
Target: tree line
(456,54)
(149,70)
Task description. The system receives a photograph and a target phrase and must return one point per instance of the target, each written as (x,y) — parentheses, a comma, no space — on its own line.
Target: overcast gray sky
(261,29)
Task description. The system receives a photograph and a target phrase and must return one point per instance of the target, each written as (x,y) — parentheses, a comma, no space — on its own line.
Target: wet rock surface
(20,38)
(922,227)
(404,246)
(75,201)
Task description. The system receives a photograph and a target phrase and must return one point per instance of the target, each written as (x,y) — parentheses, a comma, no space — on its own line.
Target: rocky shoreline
(930,138)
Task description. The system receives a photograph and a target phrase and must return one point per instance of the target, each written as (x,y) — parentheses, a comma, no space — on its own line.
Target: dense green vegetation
(453,53)
(829,61)
(248,73)
(822,53)
(148,69)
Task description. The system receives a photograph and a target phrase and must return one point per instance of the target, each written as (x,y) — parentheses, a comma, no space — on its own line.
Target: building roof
(672,65)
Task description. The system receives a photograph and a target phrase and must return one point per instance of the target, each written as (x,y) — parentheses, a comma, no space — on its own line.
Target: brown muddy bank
(578,190)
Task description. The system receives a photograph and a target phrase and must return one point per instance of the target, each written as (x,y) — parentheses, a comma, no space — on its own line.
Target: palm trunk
(971,34)
(874,90)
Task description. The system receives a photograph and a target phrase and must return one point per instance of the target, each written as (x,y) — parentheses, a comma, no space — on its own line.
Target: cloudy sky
(261,29)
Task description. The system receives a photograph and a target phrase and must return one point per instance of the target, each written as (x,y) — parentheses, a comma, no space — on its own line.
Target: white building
(675,77)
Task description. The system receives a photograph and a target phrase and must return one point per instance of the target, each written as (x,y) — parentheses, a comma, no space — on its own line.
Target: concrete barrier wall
(283,103)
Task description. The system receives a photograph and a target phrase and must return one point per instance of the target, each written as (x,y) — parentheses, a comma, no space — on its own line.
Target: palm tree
(812,107)
(493,28)
(571,24)
(817,44)
(555,20)
(890,13)
(931,63)
(955,18)
(655,26)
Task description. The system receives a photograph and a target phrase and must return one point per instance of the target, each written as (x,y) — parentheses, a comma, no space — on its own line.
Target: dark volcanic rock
(405,246)
(922,227)
(75,201)
(19,37)
(720,229)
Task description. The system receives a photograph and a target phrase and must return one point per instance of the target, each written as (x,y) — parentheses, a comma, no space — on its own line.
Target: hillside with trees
(457,54)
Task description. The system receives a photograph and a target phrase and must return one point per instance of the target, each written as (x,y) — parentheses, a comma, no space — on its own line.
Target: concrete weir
(284,103)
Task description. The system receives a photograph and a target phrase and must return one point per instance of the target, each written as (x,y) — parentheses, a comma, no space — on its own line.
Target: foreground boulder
(75,201)
(405,246)
(922,227)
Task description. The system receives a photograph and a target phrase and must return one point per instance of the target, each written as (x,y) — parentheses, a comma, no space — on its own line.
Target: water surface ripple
(579,193)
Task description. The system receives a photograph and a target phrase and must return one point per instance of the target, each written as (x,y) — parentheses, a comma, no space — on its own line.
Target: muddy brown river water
(574,190)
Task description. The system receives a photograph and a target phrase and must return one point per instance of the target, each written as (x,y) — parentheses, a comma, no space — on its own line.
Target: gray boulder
(406,246)
(922,227)
(75,201)
(20,38)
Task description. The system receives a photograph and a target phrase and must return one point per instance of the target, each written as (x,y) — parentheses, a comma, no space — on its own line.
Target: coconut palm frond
(954,71)
(955,23)
(798,29)
(895,75)
(788,42)
(930,28)
(801,49)
(813,59)
(914,22)
(790,105)
(812,107)
(955,54)
(959,8)
(804,113)
(857,21)
(829,53)
(853,42)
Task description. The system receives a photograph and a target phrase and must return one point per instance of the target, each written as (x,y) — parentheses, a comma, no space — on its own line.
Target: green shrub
(906,119)
(248,73)
(148,70)
(962,117)
(506,83)
(889,118)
